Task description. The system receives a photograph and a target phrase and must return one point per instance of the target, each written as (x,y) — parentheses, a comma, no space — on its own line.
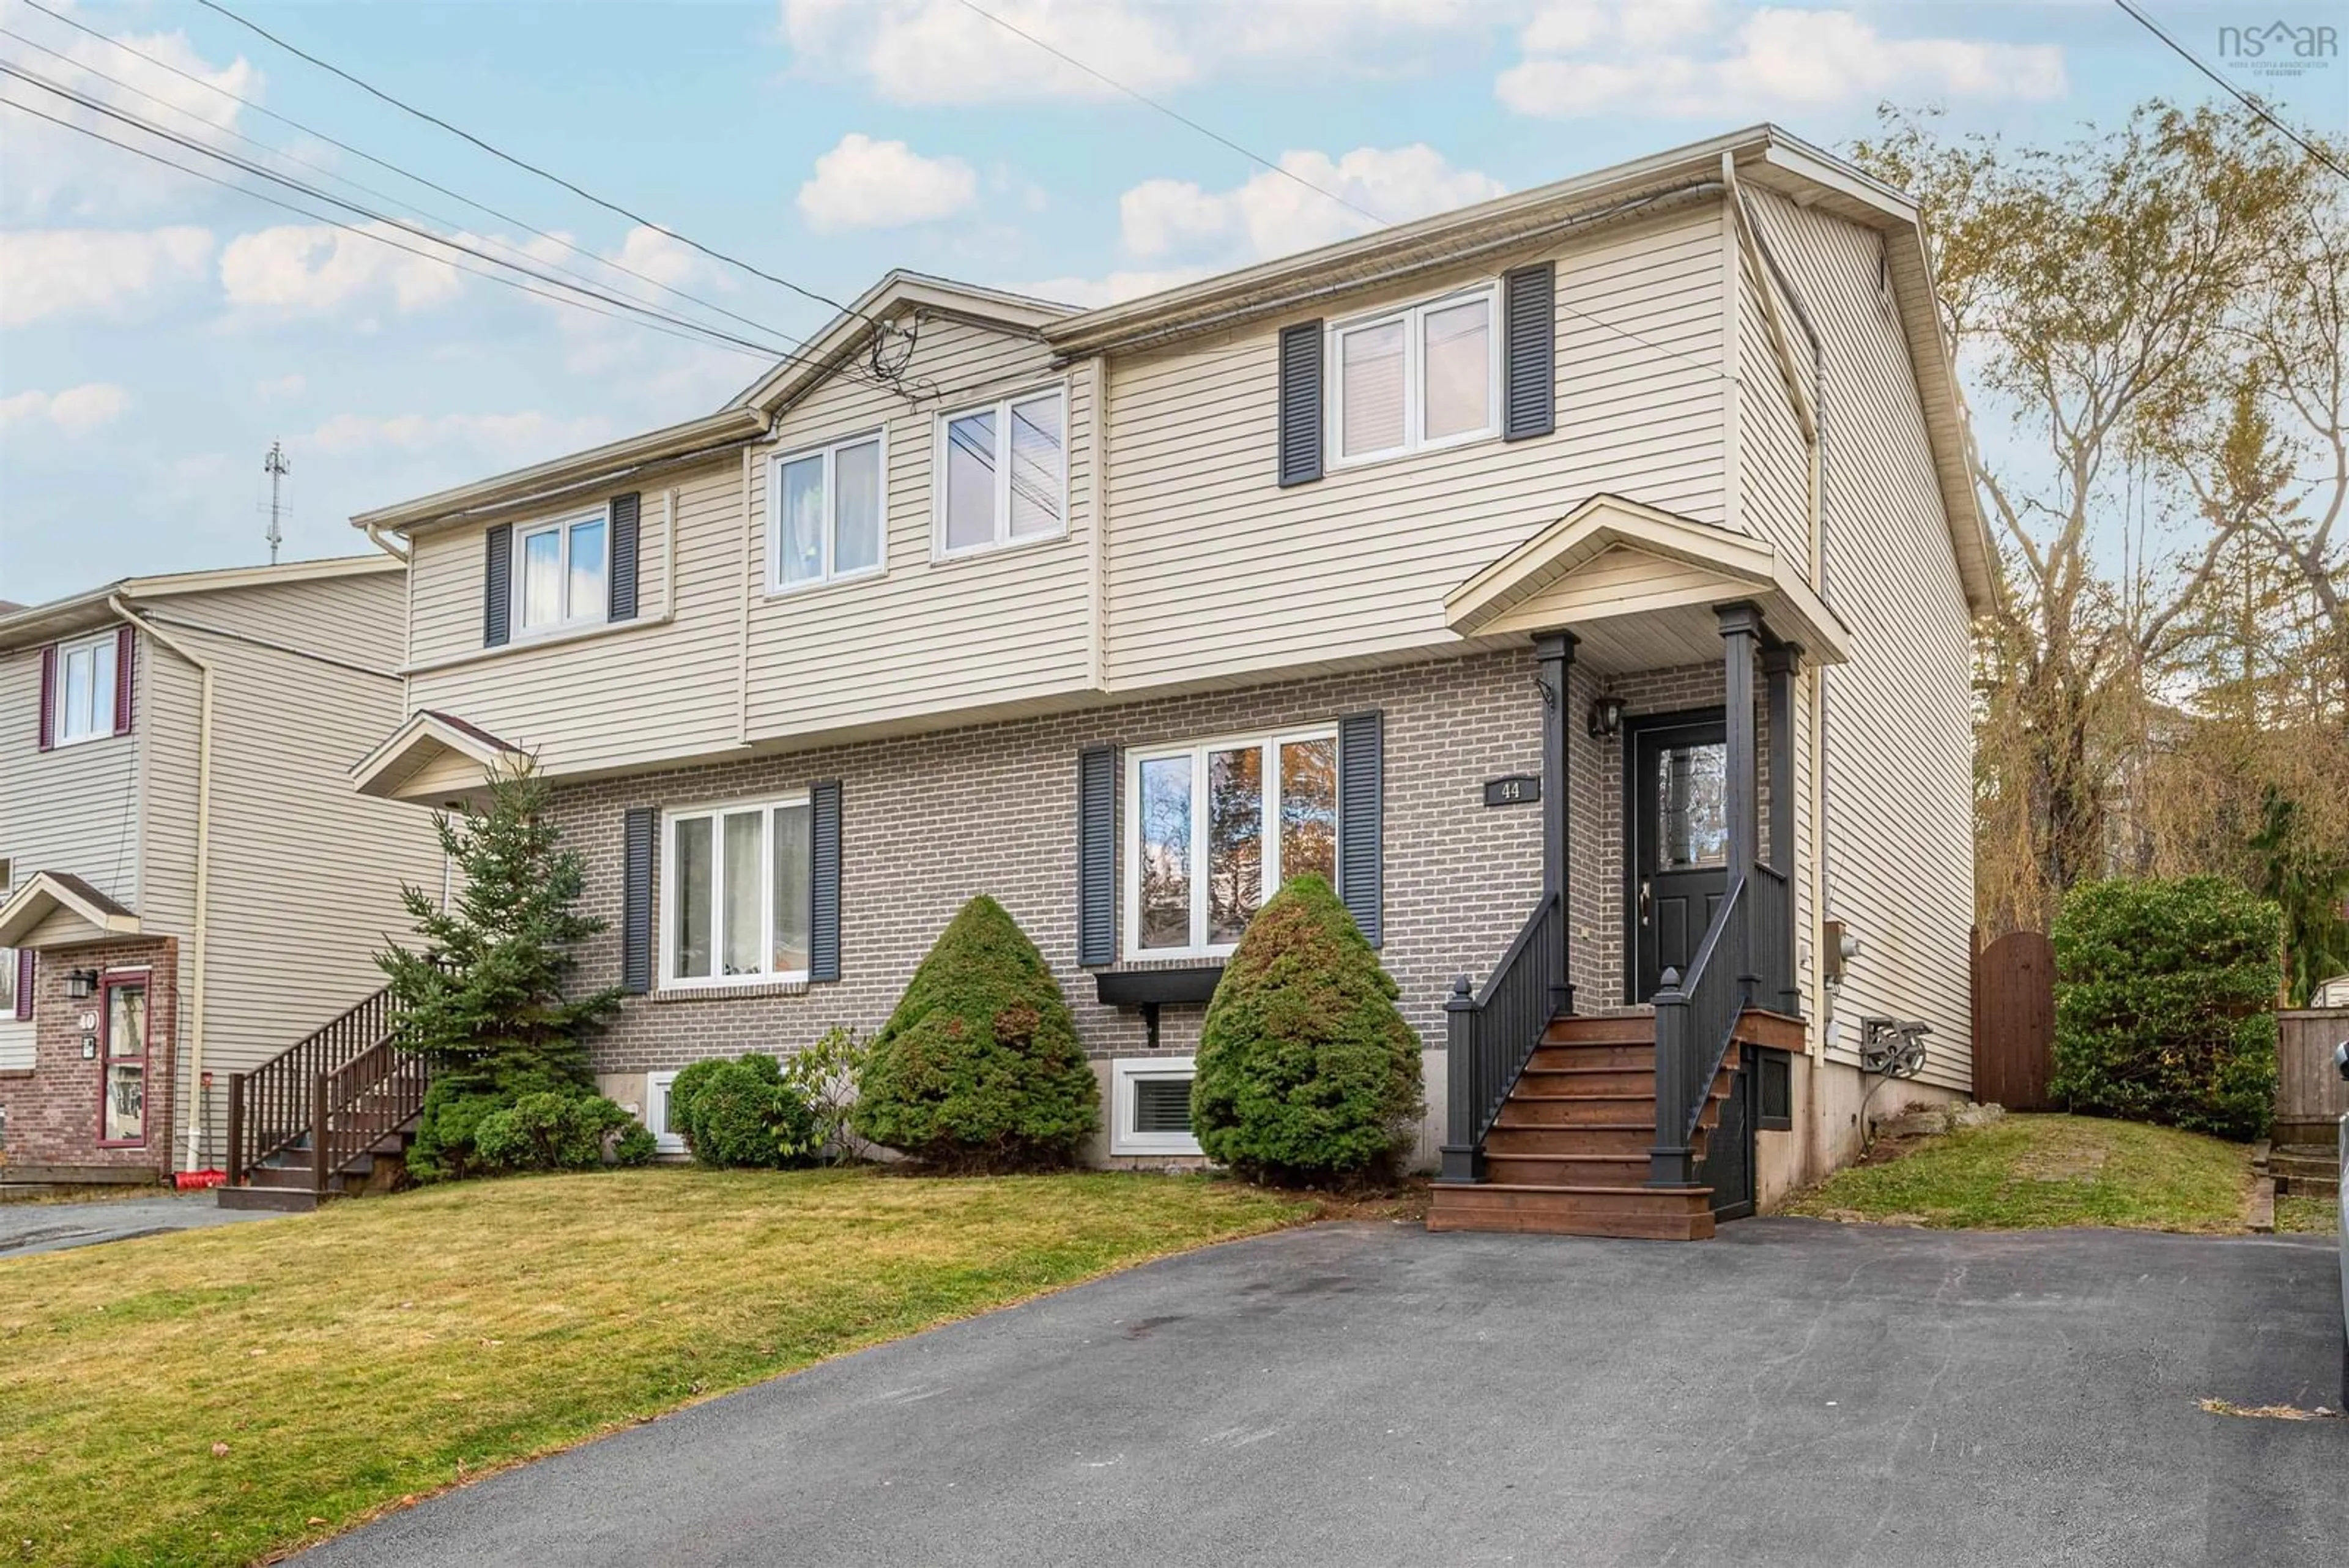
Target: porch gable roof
(417,760)
(1612,558)
(54,892)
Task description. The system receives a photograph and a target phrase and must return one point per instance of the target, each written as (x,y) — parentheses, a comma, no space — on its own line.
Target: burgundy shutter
(48,696)
(24,983)
(126,648)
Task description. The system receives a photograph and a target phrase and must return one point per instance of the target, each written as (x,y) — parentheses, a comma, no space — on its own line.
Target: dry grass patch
(217,1395)
(2027,1172)
(2309,1213)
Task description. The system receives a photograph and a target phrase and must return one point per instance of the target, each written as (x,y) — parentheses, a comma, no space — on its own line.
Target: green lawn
(2311,1213)
(217,1395)
(2030,1171)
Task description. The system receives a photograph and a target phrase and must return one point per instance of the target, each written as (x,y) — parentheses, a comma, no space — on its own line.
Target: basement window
(1150,1106)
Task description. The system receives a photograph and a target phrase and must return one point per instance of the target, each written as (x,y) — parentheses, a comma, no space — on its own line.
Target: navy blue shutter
(24,962)
(1529,347)
(823,882)
(1300,403)
(625,511)
(636,852)
(1361,767)
(497,585)
(1097,856)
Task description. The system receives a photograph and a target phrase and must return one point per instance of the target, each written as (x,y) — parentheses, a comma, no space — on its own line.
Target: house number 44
(1517,789)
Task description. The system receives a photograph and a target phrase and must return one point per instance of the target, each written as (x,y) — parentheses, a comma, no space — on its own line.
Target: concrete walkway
(53,1227)
(1795,1393)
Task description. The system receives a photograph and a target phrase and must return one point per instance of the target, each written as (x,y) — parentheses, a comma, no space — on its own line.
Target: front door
(1677,810)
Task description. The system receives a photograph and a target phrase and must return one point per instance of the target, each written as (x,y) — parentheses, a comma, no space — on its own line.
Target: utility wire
(1286,173)
(2245,99)
(502,154)
(154,156)
(391,168)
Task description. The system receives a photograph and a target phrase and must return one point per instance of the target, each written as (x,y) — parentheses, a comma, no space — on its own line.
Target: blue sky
(157,333)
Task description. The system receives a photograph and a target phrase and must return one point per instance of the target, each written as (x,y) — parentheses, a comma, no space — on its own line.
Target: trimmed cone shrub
(742,1114)
(1306,1072)
(979,1069)
(549,1131)
(2165,998)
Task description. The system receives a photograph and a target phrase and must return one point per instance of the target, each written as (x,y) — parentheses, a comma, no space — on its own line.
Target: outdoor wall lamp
(81,984)
(1606,717)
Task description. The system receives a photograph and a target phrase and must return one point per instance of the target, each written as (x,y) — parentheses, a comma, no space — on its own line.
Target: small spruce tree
(1306,1072)
(483,1002)
(979,1068)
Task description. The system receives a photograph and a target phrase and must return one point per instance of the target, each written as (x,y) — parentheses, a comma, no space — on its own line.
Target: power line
(369,157)
(500,153)
(1286,173)
(2245,99)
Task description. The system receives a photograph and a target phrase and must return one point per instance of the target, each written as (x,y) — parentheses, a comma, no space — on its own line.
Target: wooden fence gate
(2310,1098)
(2014,1021)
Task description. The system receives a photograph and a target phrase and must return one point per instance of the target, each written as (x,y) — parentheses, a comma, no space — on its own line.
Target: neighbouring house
(188,885)
(1583,581)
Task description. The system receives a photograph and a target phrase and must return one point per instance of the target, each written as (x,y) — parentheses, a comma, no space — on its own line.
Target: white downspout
(120,606)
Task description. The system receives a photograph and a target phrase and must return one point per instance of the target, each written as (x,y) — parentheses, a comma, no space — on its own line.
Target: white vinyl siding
(1002,474)
(561,574)
(1420,378)
(82,698)
(824,508)
(73,808)
(735,894)
(1214,828)
(1149,1108)
(1218,573)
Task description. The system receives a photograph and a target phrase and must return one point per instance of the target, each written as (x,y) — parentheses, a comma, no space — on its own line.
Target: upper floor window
(1428,375)
(562,572)
(738,897)
(1214,829)
(826,513)
(1004,475)
(83,702)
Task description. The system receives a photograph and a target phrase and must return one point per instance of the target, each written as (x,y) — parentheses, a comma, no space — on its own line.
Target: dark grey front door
(1677,806)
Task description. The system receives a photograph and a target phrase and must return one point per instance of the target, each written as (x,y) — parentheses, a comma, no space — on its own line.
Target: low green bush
(979,1068)
(456,1103)
(2165,998)
(823,1075)
(548,1131)
(1307,1071)
(742,1114)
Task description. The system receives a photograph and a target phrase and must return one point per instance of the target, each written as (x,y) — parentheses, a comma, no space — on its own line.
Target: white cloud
(93,272)
(943,52)
(868,184)
(1688,58)
(77,410)
(317,268)
(1113,289)
(1272,214)
(509,439)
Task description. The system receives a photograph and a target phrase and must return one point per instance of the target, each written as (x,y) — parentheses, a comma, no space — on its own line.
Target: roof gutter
(122,607)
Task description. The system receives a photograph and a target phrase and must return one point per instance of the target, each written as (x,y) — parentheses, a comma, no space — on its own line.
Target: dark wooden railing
(1770,937)
(1489,1036)
(357,1102)
(272,1107)
(1746,960)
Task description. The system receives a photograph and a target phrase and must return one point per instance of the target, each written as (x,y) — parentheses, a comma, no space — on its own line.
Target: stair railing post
(318,1133)
(1463,1150)
(235,1129)
(1672,1161)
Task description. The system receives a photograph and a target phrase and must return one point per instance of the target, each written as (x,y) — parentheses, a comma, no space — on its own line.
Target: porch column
(1779,665)
(1554,656)
(1740,630)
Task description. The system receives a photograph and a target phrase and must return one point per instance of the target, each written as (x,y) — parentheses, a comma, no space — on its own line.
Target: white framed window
(8,965)
(1213,829)
(667,1137)
(1415,379)
(562,572)
(827,513)
(81,703)
(1001,474)
(1150,1106)
(736,894)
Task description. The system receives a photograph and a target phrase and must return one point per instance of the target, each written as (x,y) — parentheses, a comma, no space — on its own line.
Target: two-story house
(1582,581)
(187,884)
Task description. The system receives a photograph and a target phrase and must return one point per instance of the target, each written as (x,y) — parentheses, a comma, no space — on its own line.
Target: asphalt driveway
(53,1227)
(1793,1393)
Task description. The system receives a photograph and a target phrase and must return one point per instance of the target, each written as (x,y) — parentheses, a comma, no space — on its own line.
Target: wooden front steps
(1568,1153)
(288,1182)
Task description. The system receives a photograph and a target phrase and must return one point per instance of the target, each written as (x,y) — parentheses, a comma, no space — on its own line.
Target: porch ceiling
(433,759)
(56,909)
(1637,586)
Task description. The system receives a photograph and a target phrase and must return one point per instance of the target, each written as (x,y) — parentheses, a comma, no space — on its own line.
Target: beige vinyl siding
(1898,796)
(1773,461)
(982,631)
(637,692)
(1214,571)
(74,809)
